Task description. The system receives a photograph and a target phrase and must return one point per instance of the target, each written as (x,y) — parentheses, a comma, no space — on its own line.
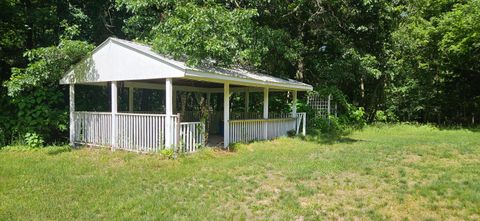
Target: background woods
(411,60)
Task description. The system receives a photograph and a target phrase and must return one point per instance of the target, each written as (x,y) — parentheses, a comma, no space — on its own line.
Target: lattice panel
(322,105)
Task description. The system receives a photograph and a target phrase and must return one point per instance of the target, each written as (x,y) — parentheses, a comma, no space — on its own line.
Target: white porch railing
(192,136)
(147,132)
(301,121)
(93,128)
(247,130)
(262,129)
(137,132)
(142,132)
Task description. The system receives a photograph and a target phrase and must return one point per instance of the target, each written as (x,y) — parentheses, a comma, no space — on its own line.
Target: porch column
(168,112)
(265,112)
(247,101)
(294,104)
(130,99)
(226,115)
(72,117)
(114,114)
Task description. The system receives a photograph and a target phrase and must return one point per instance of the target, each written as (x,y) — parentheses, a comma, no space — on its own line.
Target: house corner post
(226,115)
(265,112)
(114,97)
(72,114)
(169,113)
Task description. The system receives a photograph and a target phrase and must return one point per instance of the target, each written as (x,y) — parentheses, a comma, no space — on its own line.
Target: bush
(41,103)
(33,140)
(168,153)
(357,117)
(349,116)
(380,116)
(291,133)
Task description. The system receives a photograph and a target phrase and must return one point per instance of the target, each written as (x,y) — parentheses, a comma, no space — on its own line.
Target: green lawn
(396,172)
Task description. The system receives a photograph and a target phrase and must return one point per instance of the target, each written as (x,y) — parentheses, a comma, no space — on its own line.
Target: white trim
(265,111)
(168,112)
(221,78)
(72,116)
(154,86)
(114,98)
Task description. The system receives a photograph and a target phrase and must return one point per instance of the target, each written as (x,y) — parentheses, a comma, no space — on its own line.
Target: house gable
(114,61)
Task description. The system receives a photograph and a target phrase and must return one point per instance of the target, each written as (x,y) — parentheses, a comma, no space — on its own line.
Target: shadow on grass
(326,138)
(57,150)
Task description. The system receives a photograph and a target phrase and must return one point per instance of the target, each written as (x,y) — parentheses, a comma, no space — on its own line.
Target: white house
(133,66)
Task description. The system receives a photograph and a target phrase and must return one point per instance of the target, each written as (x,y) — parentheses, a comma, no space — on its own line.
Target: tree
(41,101)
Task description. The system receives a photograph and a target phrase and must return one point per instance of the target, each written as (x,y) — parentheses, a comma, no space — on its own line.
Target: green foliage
(168,153)
(205,34)
(434,63)
(333,126)
(47,65)
(357,117)
(380,116)
(33,140)
(41,101)
(413,60)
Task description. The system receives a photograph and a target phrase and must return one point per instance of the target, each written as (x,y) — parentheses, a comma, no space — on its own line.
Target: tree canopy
(413,60)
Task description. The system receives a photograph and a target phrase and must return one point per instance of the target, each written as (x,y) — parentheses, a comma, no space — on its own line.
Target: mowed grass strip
(399,172)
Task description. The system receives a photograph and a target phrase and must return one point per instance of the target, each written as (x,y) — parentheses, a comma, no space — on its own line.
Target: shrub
(357,117)
(167,153)
(380,116)
(291,133)
(33,140)
(41,103)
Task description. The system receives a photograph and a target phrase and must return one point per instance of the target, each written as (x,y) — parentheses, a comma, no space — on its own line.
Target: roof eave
(221,78)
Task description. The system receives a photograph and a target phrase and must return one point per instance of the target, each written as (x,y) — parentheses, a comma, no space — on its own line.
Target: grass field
(392,172)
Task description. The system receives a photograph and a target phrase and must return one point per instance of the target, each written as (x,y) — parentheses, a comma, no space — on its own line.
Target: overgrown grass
(388,172)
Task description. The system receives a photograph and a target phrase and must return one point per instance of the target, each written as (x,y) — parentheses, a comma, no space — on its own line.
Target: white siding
(115,62)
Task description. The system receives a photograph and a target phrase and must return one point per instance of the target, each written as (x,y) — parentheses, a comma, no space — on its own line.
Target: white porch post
(226,114)
(294,104)
(114,114)
(72,117)
(265,111)
(168,112)
(130,99)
